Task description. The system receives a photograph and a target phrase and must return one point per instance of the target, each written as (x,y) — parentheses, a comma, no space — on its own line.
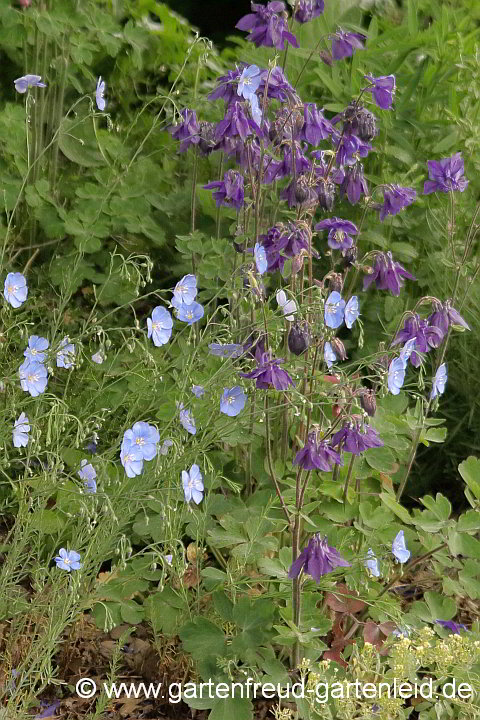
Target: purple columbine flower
(382,89)
(396,375)
(344,44)
(317,455)
(315,126)
(268,373)
(278,86)
(426,336)
(444,315)
(284,168)
(236,123)
(350,149)
(317,559)
(387,274)
(439,381)
(339,232)
(232,401)
(354,183)
(446,175)
(307,10)
(267,26)
(27,81)
(451,625)
(395,198)
(227,86)
(399,548)
(334,310)
(36,348)
(100,94)
(357,120)
(356,438)
(228,350)
(229,191)
(188,131)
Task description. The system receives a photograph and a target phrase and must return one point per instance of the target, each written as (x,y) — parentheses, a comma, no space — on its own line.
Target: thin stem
(270,464)
(194,202)
(349,475)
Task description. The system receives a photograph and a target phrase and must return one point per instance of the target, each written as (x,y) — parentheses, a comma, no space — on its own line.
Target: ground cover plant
(216,373)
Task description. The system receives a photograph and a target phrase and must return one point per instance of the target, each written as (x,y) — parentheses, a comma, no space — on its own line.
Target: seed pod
(298,338)
(338,348)
(368,402)
(350,256)
(335,282)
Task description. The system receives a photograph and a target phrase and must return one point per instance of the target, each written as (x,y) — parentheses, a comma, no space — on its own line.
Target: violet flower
(339,232)
(316,127)
(236,123)
(227,86)
(451,625)
(446,175)
(426,336)
(354,183)
(267,26)
(308,10)
(229,191)
(382,89)
(317,455)
(387,274)
(187,131)
(317,559)
(278,86)
(355,438)
(444,315)
(344,44)
(268,374)
(395,198)
(350,149)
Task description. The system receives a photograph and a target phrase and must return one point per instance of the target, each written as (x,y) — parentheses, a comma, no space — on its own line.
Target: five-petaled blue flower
(27,81)
(439,381)
(190,313)
(36,347)
(229,350)
(249,81)
(33,377)
(20,431)
(187,420)
(233,401)
(351,311)
(68,560)
(98,357)
(15,290)
(144,437)
(66,354)
(160,326)
(329,355)
(193,484)
(288,306)
(371,563)
(399,549)
(131,457)
(334,310)
(185,290)
(198,390)
(260,255)
(88,474)
(100,94)
(396,375)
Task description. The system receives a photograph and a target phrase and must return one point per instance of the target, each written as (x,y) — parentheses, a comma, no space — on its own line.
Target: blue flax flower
(160,326)
(317,559)
(228,350)
(329,355)
(100,94)
(68,560)
(233,401)
(192,484)
(260,256)
(190,313)
(185,291)
(163,449)
(249,81)
(351,312)
(288,306)
(187,420)
(143,437)
(20,431)
(396,375)
(198,390)
(334,310)
(36,347)
(371,563)
(88,474)
(66,354)
(399,548)
(99,357)
(15,290)
(27,81)
(451,625)
(33,377)
(439,381)
(131,457)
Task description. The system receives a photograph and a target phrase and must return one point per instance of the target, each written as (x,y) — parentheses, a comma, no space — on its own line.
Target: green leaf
(236,707)
(441,608)
(47,521)
(469,469)
(78,143)
(202,638)
(440,507)
(381,459)
(395,507)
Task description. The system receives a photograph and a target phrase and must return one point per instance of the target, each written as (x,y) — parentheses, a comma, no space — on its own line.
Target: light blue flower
(351,311)
(100,94)
(249,81)
(399,549)
(371,563)
(68,560)
(193,485)
(185,290)
(396,375)
(233,401)
(407,350)
(36,347)
(329,355)
(260,255)
(144,437)
(160,326)
(33,377)
(15,290)
(20,431)
(98,357)
(27,81)
(163,449)
(131,458)
(168,559)
(229,350)
(187,420)
(255,109)
(334,310)
(198,390)
(66,354)
(88,474)
(288,306)
(439,381)
(190,313)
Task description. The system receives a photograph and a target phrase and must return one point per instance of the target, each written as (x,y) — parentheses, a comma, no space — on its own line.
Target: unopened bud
(338,348)
(350,257)
(335,282)
(298,338)
(368,402)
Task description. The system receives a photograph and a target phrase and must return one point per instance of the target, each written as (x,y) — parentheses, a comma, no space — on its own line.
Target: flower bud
(350,256)
(326,194)
(368,402)
(335,282)
(338,348)
(298,338)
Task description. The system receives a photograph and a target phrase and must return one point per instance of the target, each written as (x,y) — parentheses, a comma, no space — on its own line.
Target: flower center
(140,441)
(32,378)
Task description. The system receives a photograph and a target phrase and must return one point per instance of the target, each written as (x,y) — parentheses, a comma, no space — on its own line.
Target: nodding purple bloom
(334,310)
(36,347)
(396,375)
(160,326)
(307,10)
(236,123)
(382,89)
(371,563)
(27,81)
(329,355)
(249,81)
(188,131)
(339,232)
(451,625)
(387,274)
(267,26)
(99,357)
(350,149)
(49,709)
(356,438)
(187,420)
(227,86)
(315,127)
(446,175)
(232,401)
(399,548)
(317,455)
(66,354)
(88,474)
(185,291)
(395,198)
(229,191)
(143,437)
(426,336)
(198,391)
(278,86)
(444,315)
(344,44)
(317,559)
(354,183)
(229,350)
(439,381)
(33,377)
(193,484)
(100,94)
(351,312)
(15,290)
(283,168)
(21,429)
(190,313)
(260,256)
(268,373)
(68,560)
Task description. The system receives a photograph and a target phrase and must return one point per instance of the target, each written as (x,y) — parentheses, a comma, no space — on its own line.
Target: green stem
(270,463)
(349,475)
